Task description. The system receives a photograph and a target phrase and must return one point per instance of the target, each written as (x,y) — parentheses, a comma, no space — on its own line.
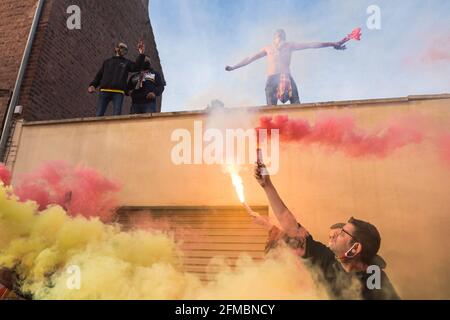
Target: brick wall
(15,22)
(4,100)
(63,62)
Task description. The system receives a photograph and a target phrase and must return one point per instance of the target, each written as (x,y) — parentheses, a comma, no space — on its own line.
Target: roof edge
(327,104)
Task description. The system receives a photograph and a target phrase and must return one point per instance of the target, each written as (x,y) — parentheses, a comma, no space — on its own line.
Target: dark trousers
(139,108)
(271,90)
(105,98)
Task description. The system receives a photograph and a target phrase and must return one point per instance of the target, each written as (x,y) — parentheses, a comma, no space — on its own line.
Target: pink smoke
(443,146)
(81,191)
(341,133)
(5,175)
(438,49)
(144,220)
(435,49)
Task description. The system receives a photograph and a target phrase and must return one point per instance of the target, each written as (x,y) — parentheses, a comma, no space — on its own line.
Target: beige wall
(406,194)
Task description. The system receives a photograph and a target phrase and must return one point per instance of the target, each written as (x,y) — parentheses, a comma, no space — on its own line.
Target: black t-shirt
(339,283)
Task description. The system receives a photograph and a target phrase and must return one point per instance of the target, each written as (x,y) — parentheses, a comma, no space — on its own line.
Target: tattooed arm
(287,220)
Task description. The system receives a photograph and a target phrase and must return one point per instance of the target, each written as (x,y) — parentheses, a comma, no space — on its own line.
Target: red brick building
(63,62)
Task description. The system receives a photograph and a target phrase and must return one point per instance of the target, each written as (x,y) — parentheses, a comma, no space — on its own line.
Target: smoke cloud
(5,175)
(443,147)
(41,246)
(341,133)
(80,190)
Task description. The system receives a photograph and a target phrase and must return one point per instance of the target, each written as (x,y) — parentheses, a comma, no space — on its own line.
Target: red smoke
(438,49)
(435,49)
(342,134)
(81,191)
(443,145)
(5,175)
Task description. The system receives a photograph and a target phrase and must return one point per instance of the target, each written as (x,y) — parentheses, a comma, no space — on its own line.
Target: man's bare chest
(282,53)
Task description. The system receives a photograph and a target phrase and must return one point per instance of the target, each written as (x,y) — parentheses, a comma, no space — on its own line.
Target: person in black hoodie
(145,86)
(349,267)
(112,78)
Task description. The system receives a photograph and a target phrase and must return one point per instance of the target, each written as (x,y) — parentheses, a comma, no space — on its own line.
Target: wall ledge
(327,104)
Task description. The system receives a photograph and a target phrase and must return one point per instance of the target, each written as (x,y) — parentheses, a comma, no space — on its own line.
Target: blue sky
(196,39)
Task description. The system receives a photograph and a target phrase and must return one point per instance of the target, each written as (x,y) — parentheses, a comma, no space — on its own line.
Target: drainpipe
(16,93)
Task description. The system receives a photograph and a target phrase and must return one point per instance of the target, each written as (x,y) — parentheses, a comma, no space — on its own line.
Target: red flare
(355,34)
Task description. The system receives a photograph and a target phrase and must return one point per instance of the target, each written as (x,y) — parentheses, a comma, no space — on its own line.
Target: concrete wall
(406,194)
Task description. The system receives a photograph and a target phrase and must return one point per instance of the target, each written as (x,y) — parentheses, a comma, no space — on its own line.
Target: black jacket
(113,74)
(153,82)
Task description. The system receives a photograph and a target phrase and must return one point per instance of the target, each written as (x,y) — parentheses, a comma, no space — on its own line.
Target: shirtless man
(280,84)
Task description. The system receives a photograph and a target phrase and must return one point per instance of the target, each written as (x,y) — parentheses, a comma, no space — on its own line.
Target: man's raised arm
(284,216)
(247,61)
(140,60)
(317,45)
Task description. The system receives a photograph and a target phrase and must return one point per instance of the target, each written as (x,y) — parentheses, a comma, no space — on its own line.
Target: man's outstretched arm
(317,45)
(247,61)
(284,215)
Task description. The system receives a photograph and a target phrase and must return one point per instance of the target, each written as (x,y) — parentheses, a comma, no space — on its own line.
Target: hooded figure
(145,87)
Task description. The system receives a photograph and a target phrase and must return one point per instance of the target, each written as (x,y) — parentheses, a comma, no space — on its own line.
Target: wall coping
(327,104)
(193,208)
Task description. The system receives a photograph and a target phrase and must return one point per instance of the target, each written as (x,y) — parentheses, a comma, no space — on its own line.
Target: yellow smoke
(281,275)
(42,246)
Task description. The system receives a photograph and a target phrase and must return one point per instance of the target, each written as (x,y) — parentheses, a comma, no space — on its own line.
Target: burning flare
(239,187)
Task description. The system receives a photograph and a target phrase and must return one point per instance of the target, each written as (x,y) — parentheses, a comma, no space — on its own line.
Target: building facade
(404,194)
(63,61)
